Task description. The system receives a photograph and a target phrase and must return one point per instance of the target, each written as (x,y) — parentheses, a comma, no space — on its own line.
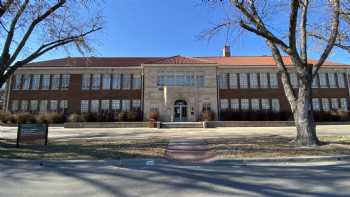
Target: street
(148,178)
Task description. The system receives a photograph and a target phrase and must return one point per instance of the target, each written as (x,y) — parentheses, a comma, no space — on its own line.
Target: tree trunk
(303,116)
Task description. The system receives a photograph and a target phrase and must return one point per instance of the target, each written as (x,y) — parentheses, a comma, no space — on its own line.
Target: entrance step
(189,150)
(181,125)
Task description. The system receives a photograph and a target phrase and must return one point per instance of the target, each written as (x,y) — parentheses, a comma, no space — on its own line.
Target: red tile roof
(181,60)
(255,61)
(137,61)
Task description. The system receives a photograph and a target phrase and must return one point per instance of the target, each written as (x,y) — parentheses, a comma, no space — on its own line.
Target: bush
(75,118)
(208,116)
(133,116)
(90,117)
(153,116)
(230,115)
(50,118)
(22,118)
(122,116)
(6,117)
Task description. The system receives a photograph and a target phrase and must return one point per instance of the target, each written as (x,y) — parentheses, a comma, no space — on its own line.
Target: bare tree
(343,41)
(29,29)
(256,16)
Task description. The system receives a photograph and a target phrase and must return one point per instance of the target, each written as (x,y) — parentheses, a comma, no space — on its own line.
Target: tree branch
(303,31)
(332,37)
(31,27)
(5,6)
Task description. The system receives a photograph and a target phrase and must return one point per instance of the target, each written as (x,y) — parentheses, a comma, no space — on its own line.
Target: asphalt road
(111,178)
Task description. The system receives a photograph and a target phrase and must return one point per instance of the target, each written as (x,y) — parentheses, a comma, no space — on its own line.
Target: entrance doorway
(180,111)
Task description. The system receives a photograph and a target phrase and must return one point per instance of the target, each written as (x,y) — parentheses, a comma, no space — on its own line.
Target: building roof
(181,60)
(137,61)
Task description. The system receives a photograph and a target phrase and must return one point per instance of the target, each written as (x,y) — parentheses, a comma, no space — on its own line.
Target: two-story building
(179,88)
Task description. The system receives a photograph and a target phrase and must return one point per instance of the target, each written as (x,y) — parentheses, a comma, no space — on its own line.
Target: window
(53,105)
(15,104)
(255,104)
(126,81)
(331,80)
(200,81)
(43,106)
(153,108)
(263,80)
(105,105)
(265,104)
(223,81)
(253,78)
(273,80)
(233,80)
(335,103)
(116,81)
(136,82)
(115,105)
(341,81)
(224,104)
(244,104)
(275,105)
(45,82)
(85,83)
(96,82)
(24,105)
(106,81)
(323,80)
(206,107)
(34,105)
(243,80)
(294,80)
(125,105)
(55,82)
(344,104)
(160,80)
(315,82)
(63,105)
(18,82)
(235,104)
(65,82)
(36,82)
(136,105)
(325,104)
(84,106)
(95,106)
(26,82)
(316,104)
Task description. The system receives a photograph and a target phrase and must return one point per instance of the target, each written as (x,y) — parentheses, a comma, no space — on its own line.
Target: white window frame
(36,82)
(325,104)
(332,80)
(55,82)
(273,80)
(224,105)
(84,106)
(316,104)
(115,105)
(243,80)
(96,82)
(233,80)
(65,82)
(94,106)
(235,104)
(126,82)
(264,83)
(265,104)
(43,106)
(253,79)
(275,105)
(245,104)
(255,104)
(126,105)
(106,81)
(24,105)
(116,81)
(45,82)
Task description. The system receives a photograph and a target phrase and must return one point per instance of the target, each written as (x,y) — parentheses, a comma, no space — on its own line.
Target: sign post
(32,132)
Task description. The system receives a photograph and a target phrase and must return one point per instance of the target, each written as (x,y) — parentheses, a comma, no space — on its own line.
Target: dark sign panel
(31,132)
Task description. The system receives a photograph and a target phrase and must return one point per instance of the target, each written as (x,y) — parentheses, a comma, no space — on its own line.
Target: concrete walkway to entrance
(189,150)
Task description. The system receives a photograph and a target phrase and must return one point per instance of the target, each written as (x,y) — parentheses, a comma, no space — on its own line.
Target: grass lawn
(224,148)
(276,146)
(85,149)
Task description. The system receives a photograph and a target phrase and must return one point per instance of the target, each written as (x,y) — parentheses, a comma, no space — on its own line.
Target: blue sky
(167,28)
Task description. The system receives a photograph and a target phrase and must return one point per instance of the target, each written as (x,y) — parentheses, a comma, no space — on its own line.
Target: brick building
(179,88)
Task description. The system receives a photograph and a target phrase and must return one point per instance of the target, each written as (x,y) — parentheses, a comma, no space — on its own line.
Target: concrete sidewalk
(106,178)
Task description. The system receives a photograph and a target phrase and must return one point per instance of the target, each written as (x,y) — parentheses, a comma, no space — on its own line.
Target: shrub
(50,118)
(6,117)
(75,118)
(90,117)
(133,116)
(122,116)
(208,116)
(153,116)
(24,118)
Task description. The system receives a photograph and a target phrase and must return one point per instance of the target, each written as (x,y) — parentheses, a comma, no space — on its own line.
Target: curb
(302,159)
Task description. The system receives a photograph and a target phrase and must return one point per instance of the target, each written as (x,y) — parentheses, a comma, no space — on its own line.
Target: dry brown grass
(276,146)
(85,149)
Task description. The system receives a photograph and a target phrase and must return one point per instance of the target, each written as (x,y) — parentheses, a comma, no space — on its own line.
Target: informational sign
(29,133)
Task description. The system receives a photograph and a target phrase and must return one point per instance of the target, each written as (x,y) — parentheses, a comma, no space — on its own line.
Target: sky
(162,28)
